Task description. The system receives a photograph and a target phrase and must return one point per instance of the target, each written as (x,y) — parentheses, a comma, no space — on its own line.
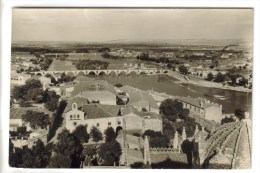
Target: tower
(176,140)
(147,158)
(74,106)
(184,135)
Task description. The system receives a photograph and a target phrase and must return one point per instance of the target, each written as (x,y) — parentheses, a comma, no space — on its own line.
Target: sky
(104,25)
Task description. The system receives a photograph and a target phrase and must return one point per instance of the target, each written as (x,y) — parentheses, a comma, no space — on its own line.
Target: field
(114,64)
(58,65)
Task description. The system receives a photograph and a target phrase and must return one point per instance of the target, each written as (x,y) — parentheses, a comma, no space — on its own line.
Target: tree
(18,92)
(37,157)
(30,91)
(96,134)
(60,161)
(118,85)
(240,113)
(219,78)
(70,147)
(187,148)
(81,133)
(243,81)
(110,134)
(33,83)
(210,77)
(30,161)
(42,152)
(51,105)
(34,94)
(51,100)
(227,120)
(157,139)
(67,144)
(110,152)
(57,119)
(173,109)
(183,70)
(36,119)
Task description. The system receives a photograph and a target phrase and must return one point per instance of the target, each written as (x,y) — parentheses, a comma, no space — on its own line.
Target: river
(230,100)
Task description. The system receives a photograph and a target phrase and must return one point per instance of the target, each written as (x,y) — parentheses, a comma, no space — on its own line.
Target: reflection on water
(230,100)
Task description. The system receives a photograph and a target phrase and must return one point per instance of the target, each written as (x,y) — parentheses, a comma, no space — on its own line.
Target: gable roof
(79,100)
(97,85)
(94,111)
(139,97)
(132,110)
(199,102)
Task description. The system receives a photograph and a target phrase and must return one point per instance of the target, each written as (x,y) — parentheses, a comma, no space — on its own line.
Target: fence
(163,150)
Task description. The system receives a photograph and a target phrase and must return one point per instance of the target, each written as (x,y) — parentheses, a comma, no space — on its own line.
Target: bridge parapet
(146,71)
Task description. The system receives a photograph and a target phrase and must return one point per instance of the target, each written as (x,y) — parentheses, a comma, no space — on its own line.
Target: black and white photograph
(131,88)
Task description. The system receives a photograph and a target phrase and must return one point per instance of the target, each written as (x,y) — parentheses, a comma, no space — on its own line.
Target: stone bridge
(117,72)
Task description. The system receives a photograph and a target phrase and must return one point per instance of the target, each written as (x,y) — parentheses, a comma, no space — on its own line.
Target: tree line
(91,64)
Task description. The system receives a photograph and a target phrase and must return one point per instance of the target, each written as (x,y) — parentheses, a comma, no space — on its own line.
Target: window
(97,124)
(109,123)
(78,116)
(70,117)
(119,122)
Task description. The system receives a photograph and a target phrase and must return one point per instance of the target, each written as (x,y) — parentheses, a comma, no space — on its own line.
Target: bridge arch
(38,74)
(112,73)
(133,73)
(122,73)
(70,73)
(92,73)
(81,73)
(142,72)
(102,73)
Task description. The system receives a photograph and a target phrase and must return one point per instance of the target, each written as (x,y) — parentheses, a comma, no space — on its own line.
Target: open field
(61,65)
(114,64)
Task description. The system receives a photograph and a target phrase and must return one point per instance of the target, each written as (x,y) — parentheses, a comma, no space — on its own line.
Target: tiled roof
(138,97)
(92,86)
(98,95)
(233,138)
(130,109)
(94,111)
(16,113)
(199,102)
(79,100)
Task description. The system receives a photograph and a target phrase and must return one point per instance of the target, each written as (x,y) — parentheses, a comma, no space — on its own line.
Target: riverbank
(204,83)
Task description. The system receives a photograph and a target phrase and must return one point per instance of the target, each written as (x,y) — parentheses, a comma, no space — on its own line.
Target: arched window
(78,116)
(70,117)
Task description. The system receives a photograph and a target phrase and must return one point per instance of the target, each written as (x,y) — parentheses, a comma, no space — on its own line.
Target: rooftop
(199,102)
(138,97)
(94,111)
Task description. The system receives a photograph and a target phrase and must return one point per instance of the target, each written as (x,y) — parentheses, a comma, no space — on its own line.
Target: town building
(92,115)
(19,78)
(104,116)
(140,99)
(202,108)
(16,117)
